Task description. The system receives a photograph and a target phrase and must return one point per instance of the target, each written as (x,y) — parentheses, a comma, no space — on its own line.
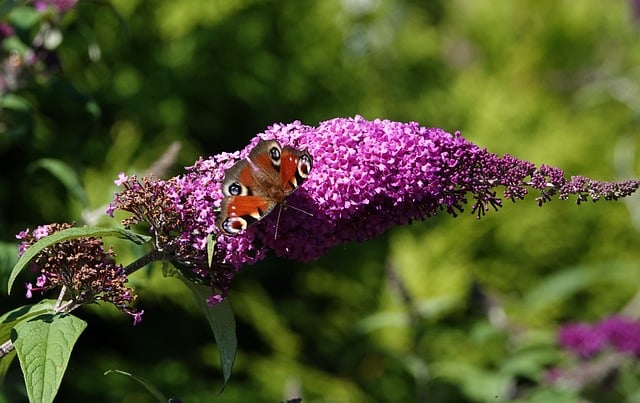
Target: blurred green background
(441,311)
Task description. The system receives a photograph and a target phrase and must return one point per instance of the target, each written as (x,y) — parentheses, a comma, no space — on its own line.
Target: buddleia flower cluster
(367,177)
(600,353)
(615,333)
(82,268)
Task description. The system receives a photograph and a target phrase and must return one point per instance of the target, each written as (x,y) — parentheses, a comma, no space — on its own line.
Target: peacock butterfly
(253,187)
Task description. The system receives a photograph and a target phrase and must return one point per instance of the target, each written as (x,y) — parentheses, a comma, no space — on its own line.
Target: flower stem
(63,291)
(6,348)
(153,256)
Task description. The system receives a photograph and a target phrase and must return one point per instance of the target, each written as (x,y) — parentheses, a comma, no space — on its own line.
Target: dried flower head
(83,266)
(367,176)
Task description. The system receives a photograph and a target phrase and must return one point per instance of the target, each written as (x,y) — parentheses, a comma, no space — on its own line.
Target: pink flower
(616,332)
(60,5)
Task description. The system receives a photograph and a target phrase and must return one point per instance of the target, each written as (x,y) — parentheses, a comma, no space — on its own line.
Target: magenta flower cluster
(616,333)
(367,176)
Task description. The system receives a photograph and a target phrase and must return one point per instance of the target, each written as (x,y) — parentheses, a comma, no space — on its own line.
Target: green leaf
(14,102)
(546,394)
(24,20)
(211,244)
(66,175)
(44,345)
(556,288)
(13,317)
(148,385)
(222,323)
(477,383)
(71,233)
(530,362)
(15,44)
(6,6)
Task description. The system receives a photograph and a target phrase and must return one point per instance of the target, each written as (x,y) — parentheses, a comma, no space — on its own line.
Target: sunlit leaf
(211,244)
(44,345)
(478,383)
(13,317)
(222,323)
(557,287)
(142,381)
(23,20)
(66,175)
(15,102)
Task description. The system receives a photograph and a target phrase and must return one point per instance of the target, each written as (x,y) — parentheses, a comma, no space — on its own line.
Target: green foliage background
(445,310)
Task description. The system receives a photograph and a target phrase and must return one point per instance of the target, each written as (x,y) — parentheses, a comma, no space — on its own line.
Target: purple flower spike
(582,339)
(367,176)
(622,333)
(615,332)
(371,175)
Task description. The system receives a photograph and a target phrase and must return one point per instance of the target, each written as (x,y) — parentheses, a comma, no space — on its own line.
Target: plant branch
(6,348)
(153,256)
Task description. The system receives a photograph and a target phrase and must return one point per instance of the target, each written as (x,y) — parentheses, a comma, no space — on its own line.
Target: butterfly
(253,187)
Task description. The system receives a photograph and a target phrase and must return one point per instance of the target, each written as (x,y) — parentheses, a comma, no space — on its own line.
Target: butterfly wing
(238,212)
(244,202)
(295,166)
(266,157)
(255,186)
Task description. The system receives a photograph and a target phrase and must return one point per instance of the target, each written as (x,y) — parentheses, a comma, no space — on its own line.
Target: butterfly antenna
(300,210)
(275,236)
(285,205)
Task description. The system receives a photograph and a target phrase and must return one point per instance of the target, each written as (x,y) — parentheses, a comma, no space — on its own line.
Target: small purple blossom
(122,178)
(41,232)
(22,235)
(29,288)
(367,176)
(137,316)
(41,285)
